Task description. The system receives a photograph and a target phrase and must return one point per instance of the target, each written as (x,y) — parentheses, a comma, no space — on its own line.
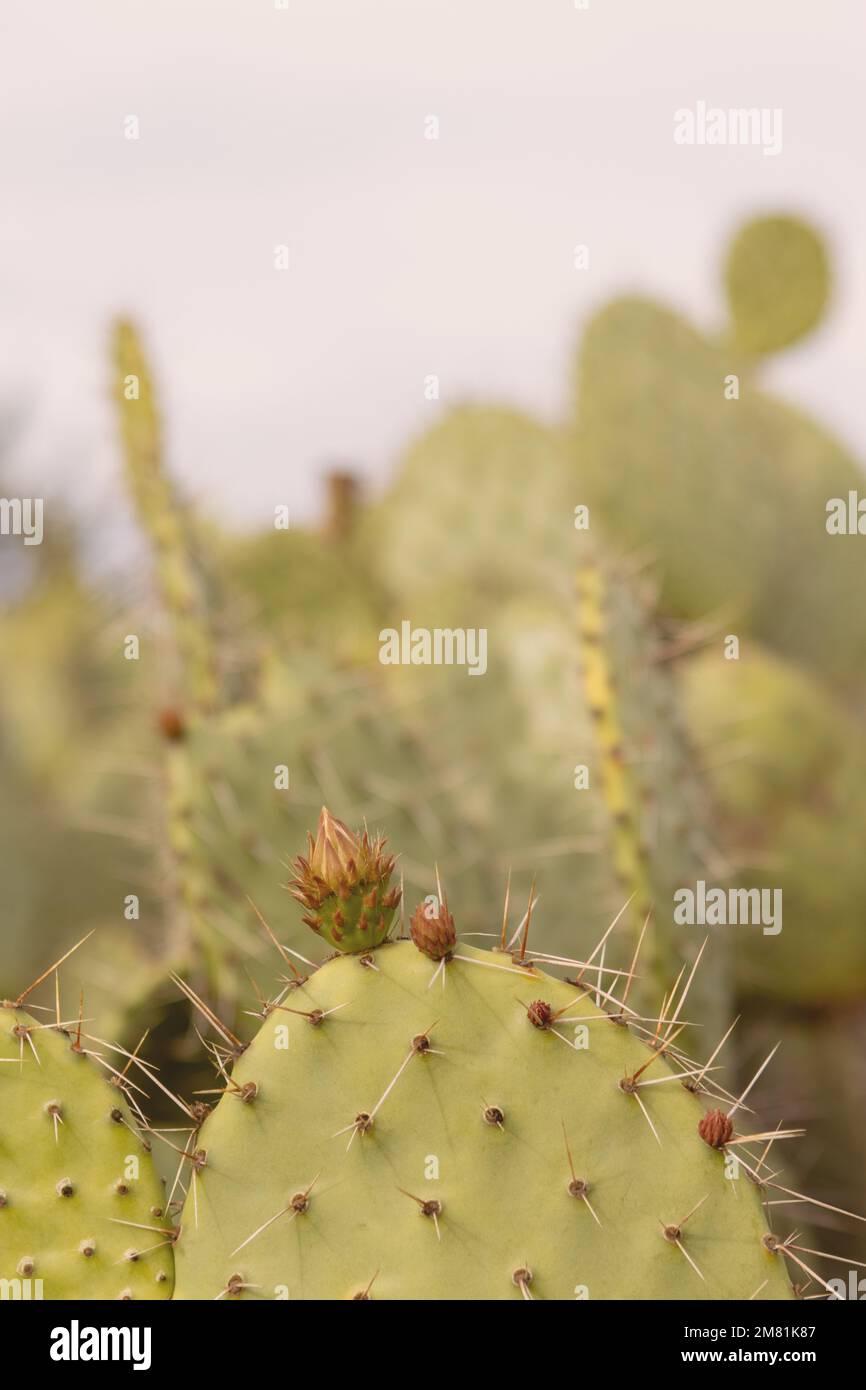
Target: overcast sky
(306,126)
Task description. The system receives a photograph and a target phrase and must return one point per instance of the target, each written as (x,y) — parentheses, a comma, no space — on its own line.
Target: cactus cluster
(555,1136)
(415,1119)
(682,452)
(479,772)
(572,682)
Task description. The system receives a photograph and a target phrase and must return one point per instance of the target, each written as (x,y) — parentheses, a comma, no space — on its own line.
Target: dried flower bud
(171,725)
(539,1013)
(716,1129)
(432,929)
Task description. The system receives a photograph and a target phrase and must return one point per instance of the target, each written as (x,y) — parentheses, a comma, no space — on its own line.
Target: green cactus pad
(778,281)
(301,588)
(485,498)
(81,1206)
(414,1143)
(728,496)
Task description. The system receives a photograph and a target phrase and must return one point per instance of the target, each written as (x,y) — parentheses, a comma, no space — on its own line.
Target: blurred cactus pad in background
(609,750)
(727,492)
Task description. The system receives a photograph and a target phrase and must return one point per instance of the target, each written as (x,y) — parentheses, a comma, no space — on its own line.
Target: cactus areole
(343,882)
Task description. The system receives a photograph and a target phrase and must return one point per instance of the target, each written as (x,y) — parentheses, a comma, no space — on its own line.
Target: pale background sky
(306,126)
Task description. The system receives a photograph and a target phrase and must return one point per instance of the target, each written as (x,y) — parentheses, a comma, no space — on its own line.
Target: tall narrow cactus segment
(82,1211)
(618,784)
(454,1123)
(192,940)
(658,817)
(195,689)
(163,520)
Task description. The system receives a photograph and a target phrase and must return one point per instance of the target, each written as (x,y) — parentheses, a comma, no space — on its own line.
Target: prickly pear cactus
(787,767)
(428,1120)
(81,1206)
(729,495)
